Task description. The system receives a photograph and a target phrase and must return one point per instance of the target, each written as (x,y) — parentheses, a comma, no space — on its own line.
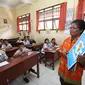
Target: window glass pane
(48,25)
(24,22)
(27,15)
(56,12)
(48,13)
(56,24)
(20,26)
(84,17)
(27,26)
(41,25)
(23,16)
(41,15)
(24,27)
(20,22)
(19,17)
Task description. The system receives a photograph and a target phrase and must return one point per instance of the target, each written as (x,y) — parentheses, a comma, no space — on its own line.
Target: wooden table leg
(38,69)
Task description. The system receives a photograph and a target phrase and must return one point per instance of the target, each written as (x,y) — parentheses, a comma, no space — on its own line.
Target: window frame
(25,19)
(53,19)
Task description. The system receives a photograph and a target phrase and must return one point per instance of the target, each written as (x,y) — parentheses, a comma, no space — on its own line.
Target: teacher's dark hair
(80,23)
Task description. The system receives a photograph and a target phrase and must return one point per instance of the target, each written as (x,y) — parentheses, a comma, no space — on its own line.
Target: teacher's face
(74,30)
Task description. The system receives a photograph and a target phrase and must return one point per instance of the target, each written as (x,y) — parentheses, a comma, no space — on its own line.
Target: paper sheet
(3,63)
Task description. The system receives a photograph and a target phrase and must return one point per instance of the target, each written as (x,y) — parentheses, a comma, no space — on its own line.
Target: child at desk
(6,45)
(3,56)
(26,41)
(19,40)
(46,45)
(20,52)
(53,42)
(1,42)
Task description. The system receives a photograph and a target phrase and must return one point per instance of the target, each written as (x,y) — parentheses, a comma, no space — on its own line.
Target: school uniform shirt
(45,46)
(3,55)
(52,45)
(6,46)
(19,41)
(20,52)
(26,42)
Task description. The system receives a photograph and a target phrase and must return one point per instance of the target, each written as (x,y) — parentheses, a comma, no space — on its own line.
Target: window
(84,15)
(49,18)
(23,22)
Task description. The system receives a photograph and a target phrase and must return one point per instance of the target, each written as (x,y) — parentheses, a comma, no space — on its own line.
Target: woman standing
(71,77)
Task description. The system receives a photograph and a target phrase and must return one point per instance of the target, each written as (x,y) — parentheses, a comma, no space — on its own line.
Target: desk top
(15,61)
(12,49)
(52,50)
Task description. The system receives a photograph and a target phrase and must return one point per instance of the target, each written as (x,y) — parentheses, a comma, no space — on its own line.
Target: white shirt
(6,46)
(26,42)
(45,46)
(19,41)
(20,52)
(3,55)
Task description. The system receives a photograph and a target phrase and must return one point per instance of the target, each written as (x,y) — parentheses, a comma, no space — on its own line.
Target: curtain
(62,18)
(18,29)
(29,24)
(37,21)
(80,9)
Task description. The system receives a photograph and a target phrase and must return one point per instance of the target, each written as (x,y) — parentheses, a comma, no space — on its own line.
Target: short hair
(21,44)
(46,40)
(52,39)
(5,40)
(80,23)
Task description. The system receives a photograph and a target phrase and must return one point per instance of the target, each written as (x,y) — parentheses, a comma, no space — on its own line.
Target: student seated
(19,40)
(6,45)
(1,42)
(3,56)
(53,43)
(26,41)
(20,52)
(46,45)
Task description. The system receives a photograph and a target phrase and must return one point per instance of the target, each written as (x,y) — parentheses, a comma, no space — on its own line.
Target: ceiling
(14,4)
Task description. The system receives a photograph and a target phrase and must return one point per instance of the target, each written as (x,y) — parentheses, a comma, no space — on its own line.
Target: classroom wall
(11,16)
(39,37)
(7,30)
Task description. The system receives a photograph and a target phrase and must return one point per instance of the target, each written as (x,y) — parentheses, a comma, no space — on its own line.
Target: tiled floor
(47,77)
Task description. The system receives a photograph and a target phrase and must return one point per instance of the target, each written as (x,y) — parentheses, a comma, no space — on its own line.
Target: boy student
(20,52)
(19,40)
(26,41)
(6,45)
(3,56)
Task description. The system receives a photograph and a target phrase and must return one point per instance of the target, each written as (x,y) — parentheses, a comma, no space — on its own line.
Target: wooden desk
(50,58)
(11,51)
(35,47)
(17,67)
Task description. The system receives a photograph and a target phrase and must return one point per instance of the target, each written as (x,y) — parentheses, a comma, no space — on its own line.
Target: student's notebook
(78,48)
(4,63)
